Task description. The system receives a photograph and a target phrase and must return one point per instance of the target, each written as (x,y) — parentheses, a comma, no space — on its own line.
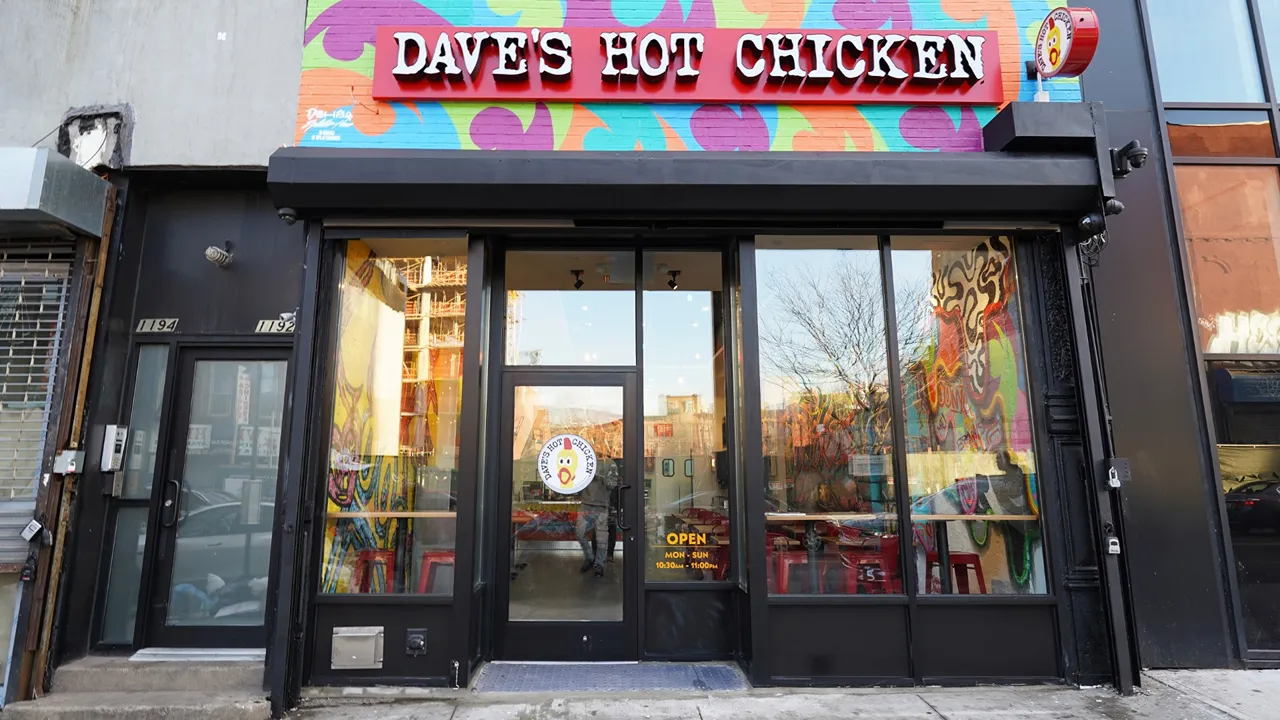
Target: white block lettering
(442,58)
(967,52)
(928,67)
(881,64)
(556,45)
(785,47)
(853,43)
(757,68)
(511,59)
(403,41)
(693,45)
(470,46)
(613,53)
(820,70)
(656,45)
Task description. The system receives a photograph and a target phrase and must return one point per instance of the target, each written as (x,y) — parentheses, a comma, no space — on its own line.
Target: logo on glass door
(567,464)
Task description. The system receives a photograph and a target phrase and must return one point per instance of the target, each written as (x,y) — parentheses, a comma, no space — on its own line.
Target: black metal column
(1097,436)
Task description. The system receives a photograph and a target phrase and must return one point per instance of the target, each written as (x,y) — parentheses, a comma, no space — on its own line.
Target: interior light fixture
(672,282)
(577,279)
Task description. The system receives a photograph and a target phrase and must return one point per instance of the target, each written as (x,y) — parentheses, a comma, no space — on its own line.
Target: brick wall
(335,107)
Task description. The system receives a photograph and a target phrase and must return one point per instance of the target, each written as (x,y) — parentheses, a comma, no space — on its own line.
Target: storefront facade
(840,409)
(837,417)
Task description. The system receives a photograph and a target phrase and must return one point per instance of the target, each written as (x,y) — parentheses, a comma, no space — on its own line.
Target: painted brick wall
(335,108)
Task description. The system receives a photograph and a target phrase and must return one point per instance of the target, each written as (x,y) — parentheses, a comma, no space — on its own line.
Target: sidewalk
(1165,695)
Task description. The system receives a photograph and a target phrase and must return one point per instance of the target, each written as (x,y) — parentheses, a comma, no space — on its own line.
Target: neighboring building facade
(351,381)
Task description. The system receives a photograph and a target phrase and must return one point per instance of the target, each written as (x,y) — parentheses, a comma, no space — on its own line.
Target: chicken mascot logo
(567,460)
(1056,38)
(1053,43)
(566,464)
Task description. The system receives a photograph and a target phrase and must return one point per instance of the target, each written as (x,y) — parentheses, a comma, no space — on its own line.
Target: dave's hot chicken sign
(716,66)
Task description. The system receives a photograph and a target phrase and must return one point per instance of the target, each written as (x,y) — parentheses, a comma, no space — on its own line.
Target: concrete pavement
(1165,695)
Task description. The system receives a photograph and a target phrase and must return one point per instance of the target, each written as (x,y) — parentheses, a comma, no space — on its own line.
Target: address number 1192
(275,326)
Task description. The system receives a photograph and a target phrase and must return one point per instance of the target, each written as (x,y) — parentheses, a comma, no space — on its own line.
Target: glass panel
(124,578)
(1246,409)
(970,449)
(391,502)
(1269,16)
(831,518)
(144,421)
(1220,133)
(571,308)
(222,548)
(686,462)
(1181,31)
(567,463)
(1231,221)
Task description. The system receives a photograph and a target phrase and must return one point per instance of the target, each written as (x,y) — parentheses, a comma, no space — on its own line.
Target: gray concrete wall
(209,82)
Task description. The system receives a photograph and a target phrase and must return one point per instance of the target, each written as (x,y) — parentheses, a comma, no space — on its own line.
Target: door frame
(558,640)
(150,629)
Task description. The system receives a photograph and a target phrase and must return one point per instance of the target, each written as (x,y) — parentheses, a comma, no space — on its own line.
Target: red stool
(365,558)
(884,562)
(430,561)
(961,564)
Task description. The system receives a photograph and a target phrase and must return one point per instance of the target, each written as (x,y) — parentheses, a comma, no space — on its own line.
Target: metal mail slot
(357,648)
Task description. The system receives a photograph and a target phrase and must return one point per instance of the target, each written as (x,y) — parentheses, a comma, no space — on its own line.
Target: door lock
(1113,545)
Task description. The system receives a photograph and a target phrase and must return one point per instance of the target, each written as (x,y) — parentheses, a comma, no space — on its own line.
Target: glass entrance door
(217,500)
(567,474)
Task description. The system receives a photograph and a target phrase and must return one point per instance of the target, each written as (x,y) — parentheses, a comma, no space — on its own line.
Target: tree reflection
(823,344)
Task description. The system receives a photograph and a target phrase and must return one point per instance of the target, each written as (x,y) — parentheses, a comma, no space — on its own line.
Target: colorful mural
(336,108)
(970,449)
(393,447)
(366,471)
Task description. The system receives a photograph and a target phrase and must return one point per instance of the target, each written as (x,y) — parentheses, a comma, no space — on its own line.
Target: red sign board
(1066,42)
(704,66)
(663,429)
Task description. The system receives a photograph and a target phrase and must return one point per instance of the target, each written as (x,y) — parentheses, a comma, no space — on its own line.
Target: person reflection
(594,515)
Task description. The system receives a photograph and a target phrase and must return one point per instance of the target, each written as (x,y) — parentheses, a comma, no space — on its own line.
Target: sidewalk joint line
(931,706)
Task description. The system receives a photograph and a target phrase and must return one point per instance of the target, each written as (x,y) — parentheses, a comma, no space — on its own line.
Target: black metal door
(568,579)
(216,496)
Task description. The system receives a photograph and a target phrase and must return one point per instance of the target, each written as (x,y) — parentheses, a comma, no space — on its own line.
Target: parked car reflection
(1254,506)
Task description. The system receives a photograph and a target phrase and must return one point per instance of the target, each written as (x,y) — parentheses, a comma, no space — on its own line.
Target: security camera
(1091,224)
(1128,158)
(288,215)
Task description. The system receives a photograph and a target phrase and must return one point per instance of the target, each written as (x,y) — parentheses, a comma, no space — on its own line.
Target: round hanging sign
(1066,42)
(567,464)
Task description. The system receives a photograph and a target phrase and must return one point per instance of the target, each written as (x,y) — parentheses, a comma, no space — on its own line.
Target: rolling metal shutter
(35,280)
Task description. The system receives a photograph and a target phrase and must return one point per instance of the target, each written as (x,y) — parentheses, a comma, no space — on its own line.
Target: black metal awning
(1048,167)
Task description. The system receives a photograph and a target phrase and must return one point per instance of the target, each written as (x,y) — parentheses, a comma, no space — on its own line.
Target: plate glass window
(1231,222)
(571,308)
(1204,51)
(971,465)
(391,489)
(686,463)
(831,516)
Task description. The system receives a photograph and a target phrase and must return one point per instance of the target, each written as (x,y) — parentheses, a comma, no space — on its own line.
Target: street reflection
(1246,410)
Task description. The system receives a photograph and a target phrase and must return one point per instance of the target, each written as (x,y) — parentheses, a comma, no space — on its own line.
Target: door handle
(621,504)
(169,511)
